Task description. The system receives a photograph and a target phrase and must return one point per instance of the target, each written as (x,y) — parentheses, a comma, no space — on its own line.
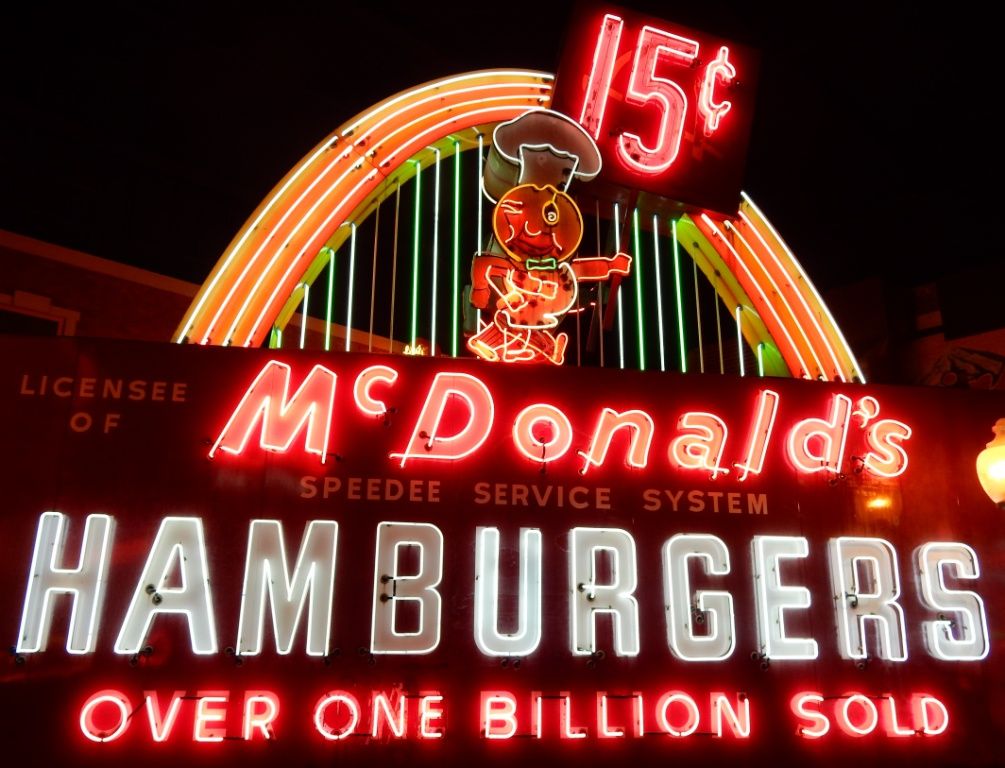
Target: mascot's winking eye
(537,222)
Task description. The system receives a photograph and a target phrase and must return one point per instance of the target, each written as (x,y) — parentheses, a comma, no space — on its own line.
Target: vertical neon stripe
(641,340)
(659,289)
(739,340)
(697,312)
(456,288)
(331,292)
(600,292)
(621,314)
(373,275)
(394,262)
(760,359)
(479,245)
(436,251)
(278,339)
(415,252)
(352,272)
(303,314)
(680,298)
(718,329)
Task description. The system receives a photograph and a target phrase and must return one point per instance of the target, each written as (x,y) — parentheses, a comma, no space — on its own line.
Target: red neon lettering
(426,443)
(869,715)
(930,713)
(639,423)
(162,725)
(531,443)
(891,724)
(645,87)
(599,85)
(111,721)
(569,731)
(211,708)
(760,434)
(344,715)
(701,449)
(829,435)
(738,719)
(663,714)
(604,730)
(498,715)
(382,715)
(366,379)
(261,708)
(312,404)
(431,716)
(818,724)
(719,70)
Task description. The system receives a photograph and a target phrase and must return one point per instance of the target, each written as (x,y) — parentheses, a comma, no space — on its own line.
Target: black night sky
(148,132)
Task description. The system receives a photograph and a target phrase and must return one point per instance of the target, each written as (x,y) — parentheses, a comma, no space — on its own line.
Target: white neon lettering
(684,609)
(86,583)
(267,578)
(965,636)
(89,727)
(589,597)
(179,540)
(391,589)
(866,587)
(366,379)
(525,639)
(774,599)
(426,443)
(311,405)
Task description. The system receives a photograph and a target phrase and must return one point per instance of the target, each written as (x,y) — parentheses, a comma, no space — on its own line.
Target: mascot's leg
(488,342)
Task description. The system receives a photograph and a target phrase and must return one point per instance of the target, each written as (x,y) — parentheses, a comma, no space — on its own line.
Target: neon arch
(341,181)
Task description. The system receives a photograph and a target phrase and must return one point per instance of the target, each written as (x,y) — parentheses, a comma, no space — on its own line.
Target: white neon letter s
(714,607)
(267,577)
(588,598)
(856,602)
(85,583)
(390,589)
(970,641)
(774,599)
(527,636)
(178,539)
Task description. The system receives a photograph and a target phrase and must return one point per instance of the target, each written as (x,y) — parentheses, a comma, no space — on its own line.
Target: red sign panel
(260,557)
(669,107)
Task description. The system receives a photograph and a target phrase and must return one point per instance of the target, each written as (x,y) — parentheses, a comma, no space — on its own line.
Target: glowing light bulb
(991,466)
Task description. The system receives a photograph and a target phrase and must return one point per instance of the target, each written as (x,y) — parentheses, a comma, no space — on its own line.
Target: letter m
(282,417)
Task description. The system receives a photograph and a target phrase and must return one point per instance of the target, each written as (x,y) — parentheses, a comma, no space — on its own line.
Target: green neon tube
(415,252)
(638,290)
(760,359)
(680,300)
(659,289)
(739,340)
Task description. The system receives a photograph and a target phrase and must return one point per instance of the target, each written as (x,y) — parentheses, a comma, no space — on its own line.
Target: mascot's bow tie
(548,263)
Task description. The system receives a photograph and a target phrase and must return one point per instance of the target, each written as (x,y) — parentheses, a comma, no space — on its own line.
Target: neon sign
(670,108)
(573,560)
